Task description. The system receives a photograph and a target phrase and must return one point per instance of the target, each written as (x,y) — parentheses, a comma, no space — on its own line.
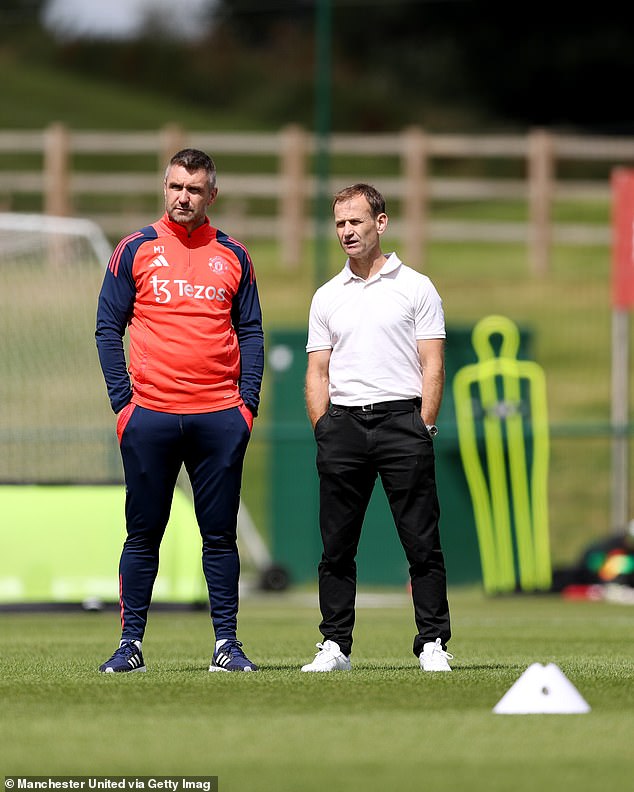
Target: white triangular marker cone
(542,689)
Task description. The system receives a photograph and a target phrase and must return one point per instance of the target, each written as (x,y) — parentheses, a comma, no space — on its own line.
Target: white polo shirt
(372,328)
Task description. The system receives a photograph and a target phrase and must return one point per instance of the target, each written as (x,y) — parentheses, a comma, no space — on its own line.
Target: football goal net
(56,425)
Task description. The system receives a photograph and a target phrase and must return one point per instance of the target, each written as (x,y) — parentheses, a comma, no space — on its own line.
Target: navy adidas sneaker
(230,657)
(128,657)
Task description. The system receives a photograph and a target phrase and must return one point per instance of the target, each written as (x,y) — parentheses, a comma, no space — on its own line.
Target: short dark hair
(370,193)
(194,160)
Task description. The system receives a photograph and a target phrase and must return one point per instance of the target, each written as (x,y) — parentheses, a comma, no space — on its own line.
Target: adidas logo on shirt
(159,261)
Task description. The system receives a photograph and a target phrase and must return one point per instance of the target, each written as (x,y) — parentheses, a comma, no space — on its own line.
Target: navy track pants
(154,446)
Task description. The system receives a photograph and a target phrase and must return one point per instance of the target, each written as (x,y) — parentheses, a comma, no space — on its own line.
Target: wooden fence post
(56,170)
(540,191)
(415,188)
(172,139)
(292,220)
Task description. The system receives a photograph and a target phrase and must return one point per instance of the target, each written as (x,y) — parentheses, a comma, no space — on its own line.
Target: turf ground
(384,726)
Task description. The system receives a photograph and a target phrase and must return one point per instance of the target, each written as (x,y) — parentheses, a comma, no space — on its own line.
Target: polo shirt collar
(392,263)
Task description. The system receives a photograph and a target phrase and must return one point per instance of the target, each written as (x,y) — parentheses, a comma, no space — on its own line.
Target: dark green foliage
(454,65)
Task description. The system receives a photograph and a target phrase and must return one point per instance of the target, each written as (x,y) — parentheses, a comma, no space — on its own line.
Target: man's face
(357,230)
(187,196)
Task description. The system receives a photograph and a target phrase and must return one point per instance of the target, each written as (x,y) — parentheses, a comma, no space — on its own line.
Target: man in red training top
(187,294)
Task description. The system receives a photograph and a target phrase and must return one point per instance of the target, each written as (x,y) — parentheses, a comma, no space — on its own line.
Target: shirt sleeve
(114,309)
(318,332)
(429,317)
(246,315)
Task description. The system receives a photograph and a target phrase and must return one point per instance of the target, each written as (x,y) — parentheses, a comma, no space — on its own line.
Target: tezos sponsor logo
(165,289)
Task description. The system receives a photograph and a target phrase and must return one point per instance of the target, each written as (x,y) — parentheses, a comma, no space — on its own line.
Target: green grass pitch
(383,726)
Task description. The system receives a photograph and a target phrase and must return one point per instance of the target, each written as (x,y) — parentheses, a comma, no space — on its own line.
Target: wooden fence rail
(68,172)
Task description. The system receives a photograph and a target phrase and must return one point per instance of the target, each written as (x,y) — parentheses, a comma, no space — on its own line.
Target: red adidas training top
(191,306)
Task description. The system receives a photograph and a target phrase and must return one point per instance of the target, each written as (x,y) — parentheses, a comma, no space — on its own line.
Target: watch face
(433,430)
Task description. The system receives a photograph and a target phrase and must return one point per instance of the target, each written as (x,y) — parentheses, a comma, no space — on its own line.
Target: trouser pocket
(122,419)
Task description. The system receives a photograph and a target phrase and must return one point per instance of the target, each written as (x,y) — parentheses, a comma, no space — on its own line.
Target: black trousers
(353,448)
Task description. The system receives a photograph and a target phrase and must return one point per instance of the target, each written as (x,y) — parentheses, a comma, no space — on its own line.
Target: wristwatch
(433,430)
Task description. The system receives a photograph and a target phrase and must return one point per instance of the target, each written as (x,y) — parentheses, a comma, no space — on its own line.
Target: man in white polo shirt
(374,385)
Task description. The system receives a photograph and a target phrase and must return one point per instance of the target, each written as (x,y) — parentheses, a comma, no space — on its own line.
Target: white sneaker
(329,658)
(434,658)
